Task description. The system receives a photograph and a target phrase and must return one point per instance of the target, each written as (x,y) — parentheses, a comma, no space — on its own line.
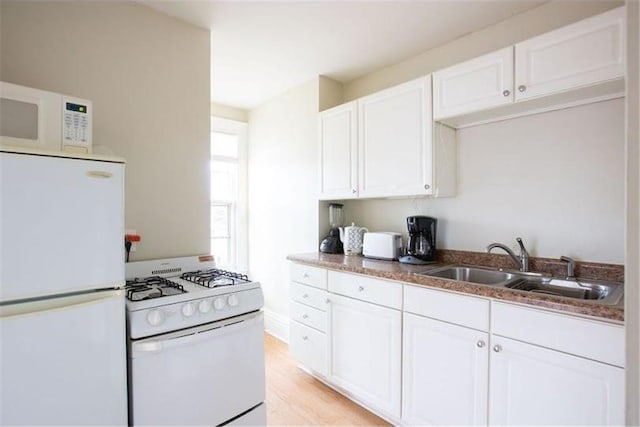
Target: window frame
(238,227)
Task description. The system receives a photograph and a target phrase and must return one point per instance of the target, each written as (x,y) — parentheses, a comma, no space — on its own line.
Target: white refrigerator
(62,320)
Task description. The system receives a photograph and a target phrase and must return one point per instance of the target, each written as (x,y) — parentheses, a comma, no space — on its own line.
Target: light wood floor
(296,398)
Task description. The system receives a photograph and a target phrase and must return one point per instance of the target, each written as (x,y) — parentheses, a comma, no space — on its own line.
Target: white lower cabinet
(309,347)
(445,373)
(365,352)
(537,386)
(420,356)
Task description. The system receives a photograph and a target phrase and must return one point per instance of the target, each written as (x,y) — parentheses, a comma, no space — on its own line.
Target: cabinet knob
(305,316)
(305,275)
(427,186)
(305,337)
(497,348)
(353,191)
(522,88)
(305,296)
(360,288)
(480,343)
(327,301)
(506,92)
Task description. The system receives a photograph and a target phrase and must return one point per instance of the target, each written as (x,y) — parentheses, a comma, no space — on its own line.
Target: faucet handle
(523,250)
(571,266)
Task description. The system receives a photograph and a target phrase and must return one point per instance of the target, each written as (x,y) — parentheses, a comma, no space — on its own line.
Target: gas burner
(214,278)
(151,287)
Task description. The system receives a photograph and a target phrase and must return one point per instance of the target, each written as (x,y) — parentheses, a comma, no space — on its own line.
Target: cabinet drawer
(312,276)
(308,316)
(309,296)
(453,308)
(377,291)
(309,347)
(583,337)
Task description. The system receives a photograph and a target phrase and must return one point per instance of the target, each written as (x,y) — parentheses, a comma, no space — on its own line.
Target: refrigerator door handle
(99,174)
(21,308)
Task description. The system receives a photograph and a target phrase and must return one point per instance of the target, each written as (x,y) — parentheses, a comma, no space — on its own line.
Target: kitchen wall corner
(283,191)
(632,231)
(228,112)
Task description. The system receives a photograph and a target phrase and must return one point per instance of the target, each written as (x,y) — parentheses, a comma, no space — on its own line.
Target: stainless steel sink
(471,274)
(604,293)
(588,290)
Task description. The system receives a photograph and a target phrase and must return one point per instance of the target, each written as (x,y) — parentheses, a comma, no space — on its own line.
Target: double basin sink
(588,290)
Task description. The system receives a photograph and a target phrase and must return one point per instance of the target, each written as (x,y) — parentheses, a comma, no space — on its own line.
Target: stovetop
(139,289)
(170,294)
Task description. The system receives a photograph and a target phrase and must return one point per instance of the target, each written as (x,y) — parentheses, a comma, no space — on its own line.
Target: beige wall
(139,68)
(536,21)
(283,182)
(555,179)
(231,113)
(632,261)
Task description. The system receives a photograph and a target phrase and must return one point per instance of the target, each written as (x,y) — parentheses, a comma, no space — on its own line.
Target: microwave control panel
(76,125)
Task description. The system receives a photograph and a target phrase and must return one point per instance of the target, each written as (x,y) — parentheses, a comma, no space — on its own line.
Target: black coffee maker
(421,247)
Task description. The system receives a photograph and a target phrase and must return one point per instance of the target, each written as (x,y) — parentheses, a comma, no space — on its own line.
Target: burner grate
(214,278)
(151,287)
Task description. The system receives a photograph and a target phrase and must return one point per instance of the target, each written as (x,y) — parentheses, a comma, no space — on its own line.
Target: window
(228,171)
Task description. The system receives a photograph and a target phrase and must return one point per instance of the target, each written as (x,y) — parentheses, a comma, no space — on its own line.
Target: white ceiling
(261,49)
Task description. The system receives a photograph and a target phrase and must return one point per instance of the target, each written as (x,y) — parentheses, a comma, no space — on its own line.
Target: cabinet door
(55,212)
(474,85)
(308,346)
(445,373)
(365,352)
(395,144)
(338,152)
(581,54)
(536,386)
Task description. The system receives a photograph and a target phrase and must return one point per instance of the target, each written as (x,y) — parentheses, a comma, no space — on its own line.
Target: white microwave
(40,119)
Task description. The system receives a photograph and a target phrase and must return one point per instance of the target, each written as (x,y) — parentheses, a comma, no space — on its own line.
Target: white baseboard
(276,325)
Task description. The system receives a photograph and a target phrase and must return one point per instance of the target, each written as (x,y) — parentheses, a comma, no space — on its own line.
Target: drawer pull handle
(480,344)
(305,338)
(497,348)
(305,296)
(99,174)
(305,316)
(360,288)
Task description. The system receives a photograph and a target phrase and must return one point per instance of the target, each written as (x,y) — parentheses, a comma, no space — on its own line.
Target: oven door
(204,375)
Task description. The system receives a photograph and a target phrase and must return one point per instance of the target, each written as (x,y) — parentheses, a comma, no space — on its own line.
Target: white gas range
(196,352)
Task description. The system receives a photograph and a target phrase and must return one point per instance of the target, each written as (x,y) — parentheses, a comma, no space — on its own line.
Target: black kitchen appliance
(421,247)
(332,243)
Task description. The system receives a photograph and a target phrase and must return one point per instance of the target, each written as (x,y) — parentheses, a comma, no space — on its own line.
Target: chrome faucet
(571,267)
(522,260)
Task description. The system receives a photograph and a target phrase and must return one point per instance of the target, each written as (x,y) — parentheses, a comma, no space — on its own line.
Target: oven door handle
(194,335)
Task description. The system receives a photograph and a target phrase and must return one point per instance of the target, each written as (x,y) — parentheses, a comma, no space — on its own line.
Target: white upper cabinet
(395,141)
(581,54)
(474,85)
(338,129)
(574,65)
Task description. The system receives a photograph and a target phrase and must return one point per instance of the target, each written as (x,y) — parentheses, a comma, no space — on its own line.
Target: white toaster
(382,245)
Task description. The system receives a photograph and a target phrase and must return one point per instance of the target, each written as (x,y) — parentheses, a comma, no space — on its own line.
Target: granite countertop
(393,270)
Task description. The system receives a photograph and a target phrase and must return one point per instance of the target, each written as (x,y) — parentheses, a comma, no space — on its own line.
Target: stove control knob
(188,309)
(204,306)
(219,303)
(155,317)
(232,300)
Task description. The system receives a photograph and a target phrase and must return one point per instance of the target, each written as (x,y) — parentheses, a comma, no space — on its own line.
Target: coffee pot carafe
(352,238)
(421,247)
